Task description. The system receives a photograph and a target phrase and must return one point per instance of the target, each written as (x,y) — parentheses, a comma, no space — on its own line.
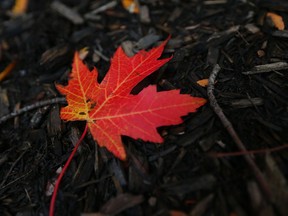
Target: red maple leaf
(109,108)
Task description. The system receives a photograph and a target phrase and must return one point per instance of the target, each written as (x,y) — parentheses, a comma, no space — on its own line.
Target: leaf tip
(200,102)
(203,101)
(121,154)
(164,43)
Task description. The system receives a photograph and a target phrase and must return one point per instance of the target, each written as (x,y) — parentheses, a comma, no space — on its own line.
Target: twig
(14,181)
(267,68)
(31,107)
(227,124)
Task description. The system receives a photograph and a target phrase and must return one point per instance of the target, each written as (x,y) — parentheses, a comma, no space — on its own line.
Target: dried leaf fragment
(7,70)
(277,20)
(131,6)
(20,7)
(203,82)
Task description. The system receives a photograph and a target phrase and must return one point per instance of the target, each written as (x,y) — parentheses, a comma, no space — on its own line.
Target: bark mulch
(194,171)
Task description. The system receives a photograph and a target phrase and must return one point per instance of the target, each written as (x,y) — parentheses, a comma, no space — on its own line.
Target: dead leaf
(277,20)
(203,82)
(7,70)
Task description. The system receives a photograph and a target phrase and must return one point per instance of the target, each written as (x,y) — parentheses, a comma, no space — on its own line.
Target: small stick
(267,68)
(227,124)
(31,107)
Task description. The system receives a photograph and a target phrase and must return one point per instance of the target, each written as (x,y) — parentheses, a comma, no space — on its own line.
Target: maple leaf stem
(58,181)
(31,107)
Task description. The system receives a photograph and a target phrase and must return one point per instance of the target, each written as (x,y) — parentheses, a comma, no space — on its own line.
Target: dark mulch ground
(156,179)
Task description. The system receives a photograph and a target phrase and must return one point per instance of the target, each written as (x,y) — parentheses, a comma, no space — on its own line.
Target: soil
(199,169)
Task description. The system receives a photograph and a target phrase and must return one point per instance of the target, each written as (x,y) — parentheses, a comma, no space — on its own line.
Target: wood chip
(100,54)
(102,8)
(121,202)
(251,27)
(175,14)
(7,70)
(131,5)
(215,2)
(203,82)
(278,184)
(181,188)
(67,12)
(283,34)
(144,14)
(147,41)
(243,103)
(220,37)
(202,206)
(20,7)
